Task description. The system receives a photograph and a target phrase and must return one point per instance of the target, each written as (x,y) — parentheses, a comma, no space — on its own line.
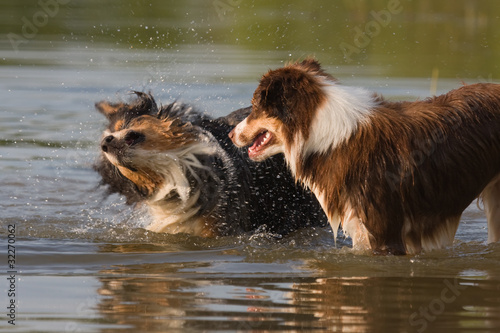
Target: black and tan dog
(182,165)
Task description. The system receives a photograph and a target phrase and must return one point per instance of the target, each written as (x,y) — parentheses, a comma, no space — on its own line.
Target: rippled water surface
(85,263)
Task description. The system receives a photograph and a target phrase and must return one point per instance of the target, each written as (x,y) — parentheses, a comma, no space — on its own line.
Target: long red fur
(409,169)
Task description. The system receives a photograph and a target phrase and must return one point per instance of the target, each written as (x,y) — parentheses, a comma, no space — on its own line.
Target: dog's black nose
(105,141)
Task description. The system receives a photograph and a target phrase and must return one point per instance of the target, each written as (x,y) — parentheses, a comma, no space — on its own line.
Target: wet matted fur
(182,165)
(396,176)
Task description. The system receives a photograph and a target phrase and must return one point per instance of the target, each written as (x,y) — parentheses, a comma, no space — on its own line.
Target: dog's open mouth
(259,144)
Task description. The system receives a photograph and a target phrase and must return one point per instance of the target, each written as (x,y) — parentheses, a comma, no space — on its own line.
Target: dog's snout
(231,134)
(105,142)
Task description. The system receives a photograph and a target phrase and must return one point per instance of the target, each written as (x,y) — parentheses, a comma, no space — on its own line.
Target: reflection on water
(346,298)
(86,263)
(257,285)
(135,303)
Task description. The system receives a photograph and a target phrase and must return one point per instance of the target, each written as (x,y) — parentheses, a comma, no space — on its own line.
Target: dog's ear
(109,109)
(119,115)
(279,95)
(272,96)
(114,113)
(144,104)
(311,65)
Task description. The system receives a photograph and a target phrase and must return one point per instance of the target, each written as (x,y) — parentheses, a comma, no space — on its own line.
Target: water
(85,263)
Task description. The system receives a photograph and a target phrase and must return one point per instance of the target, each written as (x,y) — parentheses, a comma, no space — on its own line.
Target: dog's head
(283,106)
(142,143)
(138,150)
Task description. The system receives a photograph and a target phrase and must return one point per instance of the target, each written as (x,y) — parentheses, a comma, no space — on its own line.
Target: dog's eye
(133,137)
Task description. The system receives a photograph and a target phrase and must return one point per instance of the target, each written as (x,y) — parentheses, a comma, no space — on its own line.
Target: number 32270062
(11,254)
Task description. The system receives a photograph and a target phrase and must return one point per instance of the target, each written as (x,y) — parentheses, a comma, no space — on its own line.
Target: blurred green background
(450,38)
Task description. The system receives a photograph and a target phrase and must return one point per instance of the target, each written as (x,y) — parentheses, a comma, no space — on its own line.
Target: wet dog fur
(396,176)
(182,165)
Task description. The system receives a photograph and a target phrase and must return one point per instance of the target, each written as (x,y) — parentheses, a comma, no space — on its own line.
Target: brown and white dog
(181,165)
(395,175)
